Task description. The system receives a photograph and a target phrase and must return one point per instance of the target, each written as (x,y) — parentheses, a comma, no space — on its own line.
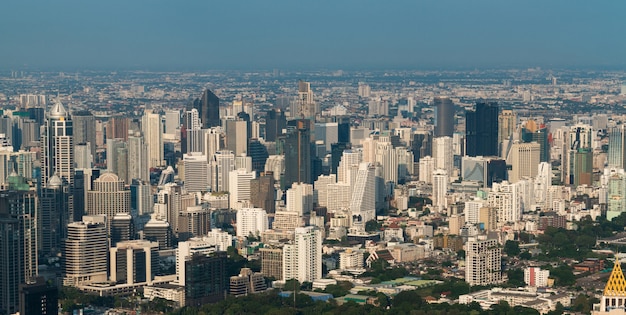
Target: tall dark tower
(209,109)
(85,129)
(444,117)
(275,122)
(482,130)
(297,149)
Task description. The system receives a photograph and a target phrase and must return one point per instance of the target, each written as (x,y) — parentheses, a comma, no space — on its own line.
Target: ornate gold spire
(616,286)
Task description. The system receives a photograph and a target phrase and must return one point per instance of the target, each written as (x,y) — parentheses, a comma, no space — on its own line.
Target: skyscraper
(302,260)
(239,187)
(153,131)
(363,203)
(209,109)
(138,167)
(196,172)
(108,197)
(263,193)
(482,130)
(617,145)
(507,123)
(85,129)
(237,136)
(483,264)
(85,252)
(444,117)
(297,149)
(222,163)
(275,122)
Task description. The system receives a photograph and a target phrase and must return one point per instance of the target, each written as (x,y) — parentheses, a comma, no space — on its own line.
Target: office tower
(363,202)
(444,117)
(239,187)
(404,159)
(472,210)
(82,155)
(251,221)
(153,133)
(85,129)
(336,151)
(212,142)
(320,192)
(32,100)
(263,193)
(482,130)
(276,165)
(531,132)
(386,157)
(300,198)
(302,260)
(304,107)
(243,161)
(108,197)
(272,262)
(297,150)
(195,140)
(349,158)
(57,152)
(524,159)
(85,252)
(171,200)
(133,262)
(328,133)
(138,163)
(505,198)
(117,128)
(222,164)
(158,231)
(616,194)
(39,298)
(236,136)
(275,123)
(443,156)
(192,119)
(426,169)
(54,218)
(440,189)
(196,172)
(172,122)
(209,109)
(542,184)
(194,221)
(338,196)
(141,200)
(581,167)
(617,145)
(507,124)
(122,228)
(18,240)
(116,156)
(206,278)
(258,154)
(474,169)
(483,264)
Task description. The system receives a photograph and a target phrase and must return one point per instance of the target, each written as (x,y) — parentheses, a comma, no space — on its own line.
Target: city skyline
(281,34)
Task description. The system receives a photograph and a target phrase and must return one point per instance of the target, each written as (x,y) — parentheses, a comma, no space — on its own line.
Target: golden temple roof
(616,285)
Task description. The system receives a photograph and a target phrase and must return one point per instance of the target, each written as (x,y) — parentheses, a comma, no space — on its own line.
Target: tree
(372,225)
(511,248)
(516,277)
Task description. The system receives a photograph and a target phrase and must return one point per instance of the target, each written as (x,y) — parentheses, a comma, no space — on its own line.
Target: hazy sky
(337,34)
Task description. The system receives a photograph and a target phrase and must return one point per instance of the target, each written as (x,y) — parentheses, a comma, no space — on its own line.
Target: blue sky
(202,35)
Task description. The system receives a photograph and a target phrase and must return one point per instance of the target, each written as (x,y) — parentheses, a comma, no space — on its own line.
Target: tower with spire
(613,301)
(57,166)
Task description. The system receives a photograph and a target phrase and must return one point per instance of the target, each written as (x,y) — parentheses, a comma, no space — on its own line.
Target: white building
(351,259)
(320,189)
(153,131)
(196,172)
(239,183)
(363,203)
(220,239)
(535,277)
(426,169)
(440,189)
(302,260)
(251,221)
(443,155)
(222,163)
(505,198)
(300,198)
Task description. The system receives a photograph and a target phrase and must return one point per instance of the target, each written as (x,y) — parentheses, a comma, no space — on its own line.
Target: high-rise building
(133,262)
(483,264)
(263,193)
(239,187)
(363,202)
(302,260)
(122,228)
(524,159)
(206,278)
(141,199)
(297,150)
(443,156)
(482,130)
(223,162)
(85,129)
(57,152)
(85,252)
(304,106)
(196,172)
(507,123)
(152,128)
(251,221)
(108,197)
(209,109)
(117,128)
(172,122)
(505,198)
(236,136)
(617,145)
(18,240)
(275,123)
(39,298)
(272,262)
(300,198)
(537,133)
(138,163)
(444,117)
(440,189)
(194,221)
